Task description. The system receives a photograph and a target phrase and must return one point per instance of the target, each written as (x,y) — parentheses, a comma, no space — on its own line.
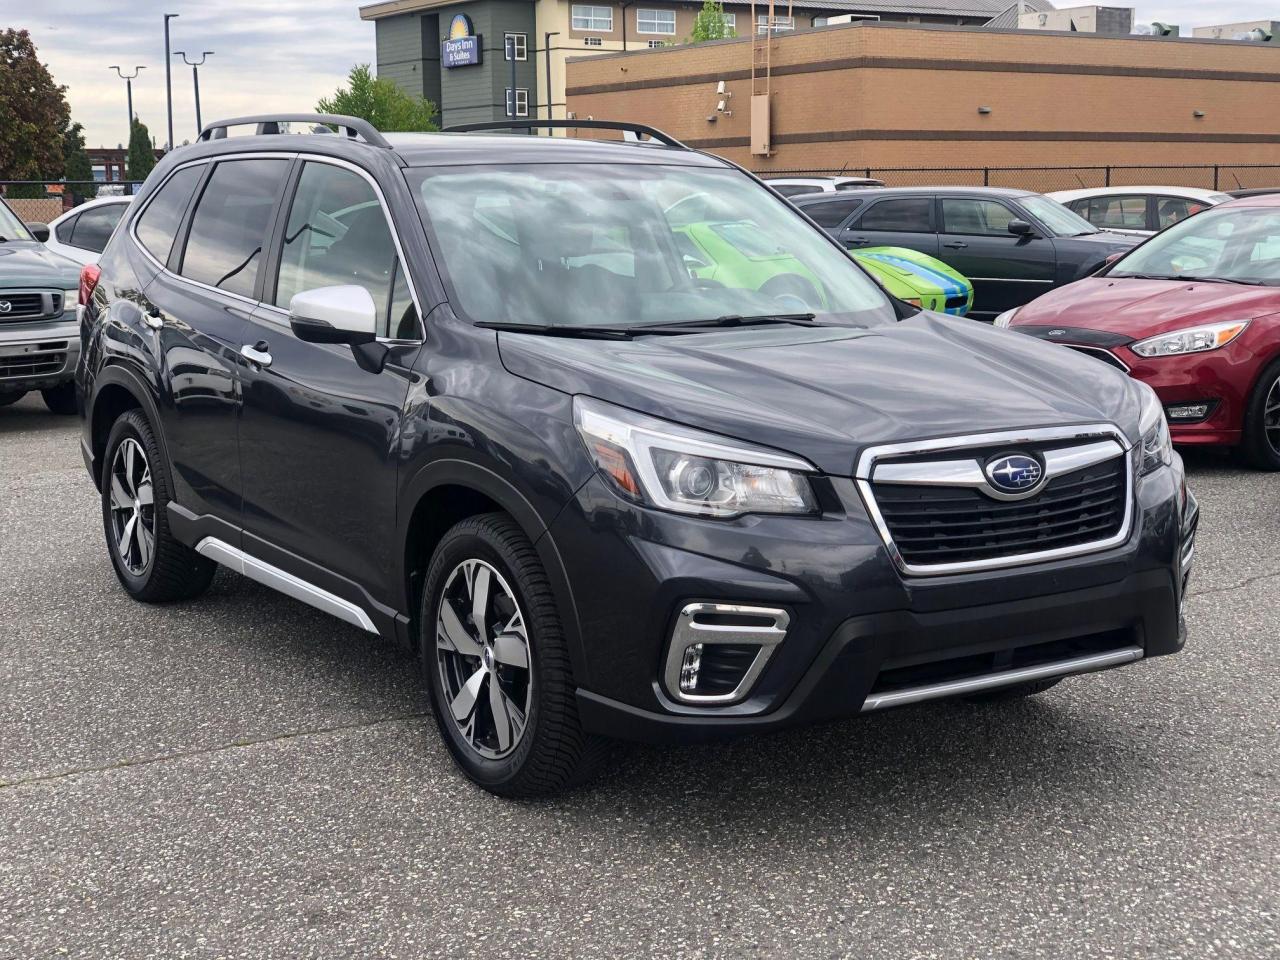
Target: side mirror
(345,314)
(1020,228)
(39,230)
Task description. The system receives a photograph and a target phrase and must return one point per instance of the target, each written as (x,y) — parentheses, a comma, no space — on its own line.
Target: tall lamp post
(546,48)
(195,66)
(168,75)
(128,79)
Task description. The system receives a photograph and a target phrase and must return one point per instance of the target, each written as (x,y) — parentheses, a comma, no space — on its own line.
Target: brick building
(900,95)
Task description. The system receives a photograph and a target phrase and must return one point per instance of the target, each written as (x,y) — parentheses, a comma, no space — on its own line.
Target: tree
(381,102)
(33,114)
(142,155)
(75,162)
(710,23)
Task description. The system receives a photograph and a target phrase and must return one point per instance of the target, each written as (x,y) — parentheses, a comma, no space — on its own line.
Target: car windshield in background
(1063,222)
(11,228)
(624,245)
(1234,245)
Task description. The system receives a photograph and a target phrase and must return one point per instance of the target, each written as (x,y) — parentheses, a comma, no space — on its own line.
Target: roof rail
(270,124)
(635,129)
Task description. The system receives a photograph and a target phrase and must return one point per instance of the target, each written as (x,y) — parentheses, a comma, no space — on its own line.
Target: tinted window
(338,234)
(94,226)
(832,214)
(229,227)
(63,230)
(976,217)
(795,189)
(908,215)
(1169,210)
(159,222)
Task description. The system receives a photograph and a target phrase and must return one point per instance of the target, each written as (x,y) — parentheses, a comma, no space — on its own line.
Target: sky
(280,55)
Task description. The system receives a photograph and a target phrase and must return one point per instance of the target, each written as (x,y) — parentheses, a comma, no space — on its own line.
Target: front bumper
(860,633)
(37,356)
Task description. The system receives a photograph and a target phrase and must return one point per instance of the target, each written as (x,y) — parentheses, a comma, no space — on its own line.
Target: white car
(1140,211)
(82,233)
(800,186)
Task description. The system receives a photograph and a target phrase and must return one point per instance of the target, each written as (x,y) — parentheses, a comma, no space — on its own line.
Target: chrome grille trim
(1090,437)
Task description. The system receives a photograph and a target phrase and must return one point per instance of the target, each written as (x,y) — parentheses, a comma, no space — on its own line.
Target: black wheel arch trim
(116,374)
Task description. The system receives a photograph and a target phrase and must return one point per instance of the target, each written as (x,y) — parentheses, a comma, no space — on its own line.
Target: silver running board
(1004,678)
(277,579)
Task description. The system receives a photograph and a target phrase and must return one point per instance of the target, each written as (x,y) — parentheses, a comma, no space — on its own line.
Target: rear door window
(1118,212)
(230,225)
(902,215)
(159,223)
(832,214)
(94,226)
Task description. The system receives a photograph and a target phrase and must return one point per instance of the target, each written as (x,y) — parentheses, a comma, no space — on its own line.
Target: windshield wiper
(728,320)
(1248,283)
(559,330)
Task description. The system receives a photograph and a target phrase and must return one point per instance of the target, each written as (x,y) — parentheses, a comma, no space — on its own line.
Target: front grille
(1106,356)
(28,305)
(941,525)
(956,302)
(40,360)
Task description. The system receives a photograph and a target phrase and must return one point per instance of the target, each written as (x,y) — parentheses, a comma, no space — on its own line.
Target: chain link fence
(39,201)
(1222,177)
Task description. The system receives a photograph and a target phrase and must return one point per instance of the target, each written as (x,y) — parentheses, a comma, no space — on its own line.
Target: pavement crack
(1246,582)
(204,751)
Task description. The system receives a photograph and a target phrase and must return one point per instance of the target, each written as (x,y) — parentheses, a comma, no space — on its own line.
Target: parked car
(918,279)
(39,336)
(1012,245)
(82,233)
(1140,211)
(803,186)
(496,419)
(1253,191)
(1195,314)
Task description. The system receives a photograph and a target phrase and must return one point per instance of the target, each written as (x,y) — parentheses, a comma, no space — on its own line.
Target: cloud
(280,56)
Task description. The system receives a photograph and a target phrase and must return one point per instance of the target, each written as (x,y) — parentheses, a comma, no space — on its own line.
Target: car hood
(827,393)
(24,263)
(1136,309)
(1105,238)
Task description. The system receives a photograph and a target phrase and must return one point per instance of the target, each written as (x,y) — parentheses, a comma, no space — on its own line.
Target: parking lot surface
(242,776)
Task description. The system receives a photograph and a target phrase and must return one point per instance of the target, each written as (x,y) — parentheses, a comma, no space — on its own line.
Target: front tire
(150,563)
(1261,441)
(61,399)
(497,664)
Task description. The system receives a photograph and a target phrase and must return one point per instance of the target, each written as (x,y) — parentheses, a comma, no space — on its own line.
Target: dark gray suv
(462,391)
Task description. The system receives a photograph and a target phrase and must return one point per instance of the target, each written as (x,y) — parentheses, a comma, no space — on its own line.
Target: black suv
(1012,245)
(462,391)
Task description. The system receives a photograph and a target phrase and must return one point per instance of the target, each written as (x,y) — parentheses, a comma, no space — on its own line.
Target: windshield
(1240,244)
(1063,222)
(11,228)
(628,244)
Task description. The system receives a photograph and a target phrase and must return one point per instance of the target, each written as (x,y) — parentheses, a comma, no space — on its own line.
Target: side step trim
(1005,678)
(277,579)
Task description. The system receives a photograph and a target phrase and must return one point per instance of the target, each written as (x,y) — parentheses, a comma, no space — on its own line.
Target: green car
(738,254)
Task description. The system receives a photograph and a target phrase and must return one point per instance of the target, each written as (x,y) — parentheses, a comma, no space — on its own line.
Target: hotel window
(730,21)
(780,24)
(656,21)
(599,19)
(519,42)
(592,42)
(522,102)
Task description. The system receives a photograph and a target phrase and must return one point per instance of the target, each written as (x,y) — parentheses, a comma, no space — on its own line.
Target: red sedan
(1195,313)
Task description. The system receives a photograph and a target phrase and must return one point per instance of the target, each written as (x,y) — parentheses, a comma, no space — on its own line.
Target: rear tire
(8,399)
(1261,441)
(61,399)
(1016,692)
(151,564)
(488,617)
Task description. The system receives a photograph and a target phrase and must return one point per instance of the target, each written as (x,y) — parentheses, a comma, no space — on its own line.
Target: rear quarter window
(158,223)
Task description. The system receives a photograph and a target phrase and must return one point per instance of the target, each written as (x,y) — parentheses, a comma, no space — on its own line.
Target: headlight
(1006,318)
(70,299)
(687,471)
(1155,449)
(1191,340)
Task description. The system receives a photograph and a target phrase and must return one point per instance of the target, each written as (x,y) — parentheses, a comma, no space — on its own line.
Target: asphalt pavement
(241,776)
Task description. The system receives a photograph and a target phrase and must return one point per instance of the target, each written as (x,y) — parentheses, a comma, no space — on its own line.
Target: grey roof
(911,8)
(1007,19)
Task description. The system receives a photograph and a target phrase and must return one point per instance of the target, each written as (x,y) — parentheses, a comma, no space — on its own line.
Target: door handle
(956,244)
(258,353)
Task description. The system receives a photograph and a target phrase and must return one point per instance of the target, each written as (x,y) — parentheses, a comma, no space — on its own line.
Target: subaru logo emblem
(5,306)
(1014,473)
(1056,333)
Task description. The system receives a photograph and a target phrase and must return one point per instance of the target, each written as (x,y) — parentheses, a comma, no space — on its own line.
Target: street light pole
(195,66)
(128,79)
(546,45)
(168,75)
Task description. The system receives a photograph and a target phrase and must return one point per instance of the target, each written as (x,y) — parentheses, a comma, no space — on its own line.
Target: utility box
(1262,31)
(1113,21)
(761,139)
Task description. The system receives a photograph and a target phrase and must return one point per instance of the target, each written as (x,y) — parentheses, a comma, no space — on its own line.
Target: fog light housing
(1188,412)
(690,668)
(718,650)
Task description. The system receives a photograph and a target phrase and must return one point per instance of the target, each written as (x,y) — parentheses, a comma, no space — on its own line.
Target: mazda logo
(1014,473)
(5,306)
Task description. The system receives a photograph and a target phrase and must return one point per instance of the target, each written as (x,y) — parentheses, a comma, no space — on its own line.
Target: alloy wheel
(1271,417)
(133,512)
(482,649)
